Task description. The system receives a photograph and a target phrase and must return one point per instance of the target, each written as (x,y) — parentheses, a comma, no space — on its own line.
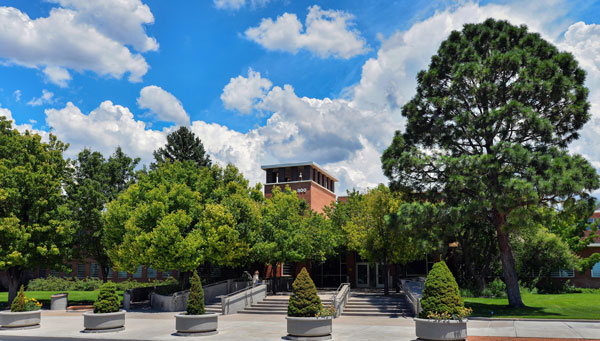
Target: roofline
(297,164)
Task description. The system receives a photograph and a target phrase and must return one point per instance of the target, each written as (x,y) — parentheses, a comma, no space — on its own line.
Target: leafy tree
(108,301)
(291,232)
(376,230)
(488,131)
(304,302)
(18,304)
(34,219)
(96,182)
(195,304)
(182,145)
(172,219)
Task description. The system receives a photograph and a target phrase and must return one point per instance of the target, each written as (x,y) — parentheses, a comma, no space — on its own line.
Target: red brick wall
(315,196)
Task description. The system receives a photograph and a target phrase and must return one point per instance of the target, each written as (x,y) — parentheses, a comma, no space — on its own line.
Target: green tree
(172,219)
(182,145)
(304,302)
(96,182)
(441,295)
(34,219)
(108,301)
(291,232)
(488,129)
(377,231)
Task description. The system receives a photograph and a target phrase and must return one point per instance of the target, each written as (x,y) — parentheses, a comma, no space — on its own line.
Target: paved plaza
(160,326)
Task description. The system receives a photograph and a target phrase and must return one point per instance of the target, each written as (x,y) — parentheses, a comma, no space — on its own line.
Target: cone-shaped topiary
(304,301)
(441,296)
(108,301)
(195,304)
(18,304)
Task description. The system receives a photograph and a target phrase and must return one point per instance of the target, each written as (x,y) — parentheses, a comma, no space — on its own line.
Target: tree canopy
(178,217)
(35,229)
(488,130)
(182,145)
(95,182)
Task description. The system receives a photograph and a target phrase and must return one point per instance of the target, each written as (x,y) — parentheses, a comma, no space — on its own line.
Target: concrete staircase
(374,303)
(214,307)
(276,304)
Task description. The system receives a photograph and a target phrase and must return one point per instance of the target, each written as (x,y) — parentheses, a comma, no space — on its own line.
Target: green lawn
(75,297)
(559,306)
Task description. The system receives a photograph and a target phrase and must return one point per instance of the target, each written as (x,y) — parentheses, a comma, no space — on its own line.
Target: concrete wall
(175,302)
(413,289)
(236,302)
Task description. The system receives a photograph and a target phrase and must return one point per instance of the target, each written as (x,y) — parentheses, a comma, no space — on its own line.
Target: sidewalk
(161,326)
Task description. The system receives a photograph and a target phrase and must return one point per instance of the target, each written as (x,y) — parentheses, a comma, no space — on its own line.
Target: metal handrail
(237,291)
(334,300)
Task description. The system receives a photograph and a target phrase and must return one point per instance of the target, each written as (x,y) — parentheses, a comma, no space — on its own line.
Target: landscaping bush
(22,303)
(89,284)
(441,296)
(195,305)
(496,288)
(108,301)
(547,285)
(304,301)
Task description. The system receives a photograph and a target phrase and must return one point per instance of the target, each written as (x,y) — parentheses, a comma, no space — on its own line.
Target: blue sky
(260,81)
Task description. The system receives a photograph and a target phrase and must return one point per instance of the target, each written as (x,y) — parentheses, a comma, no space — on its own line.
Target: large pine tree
(488,129)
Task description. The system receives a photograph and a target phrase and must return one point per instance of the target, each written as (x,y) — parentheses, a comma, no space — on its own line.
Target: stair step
(373,314)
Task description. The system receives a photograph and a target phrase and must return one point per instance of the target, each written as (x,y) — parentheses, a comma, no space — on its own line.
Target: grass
(585,306)
(75,297)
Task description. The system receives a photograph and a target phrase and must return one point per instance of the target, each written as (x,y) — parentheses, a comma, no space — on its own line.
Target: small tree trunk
(184,279)
(274,279)
(397,277)
(509,268)
(104,272)
(14,275)
(386,278)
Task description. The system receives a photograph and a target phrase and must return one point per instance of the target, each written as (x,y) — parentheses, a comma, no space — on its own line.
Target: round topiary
(108,301)
(304,301)
(18,304)
(195,304)
(441,296)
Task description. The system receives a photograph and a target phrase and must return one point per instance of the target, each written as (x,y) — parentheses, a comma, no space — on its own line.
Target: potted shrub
(24,313)
(106,316)
(195,321)
(306,317)
(443,314)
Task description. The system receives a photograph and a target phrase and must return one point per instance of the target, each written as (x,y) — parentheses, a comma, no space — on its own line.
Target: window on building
(122,274)
(287,269)
(138,272)
(54,273)
(80,270)
(94,270)
(563,273)
(596,270)
(110,274)
(151,273)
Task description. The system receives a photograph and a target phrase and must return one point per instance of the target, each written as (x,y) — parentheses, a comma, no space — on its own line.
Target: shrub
(195,304)
(304,301)
(18,304)
(108,301)
(89,284)
(441,296)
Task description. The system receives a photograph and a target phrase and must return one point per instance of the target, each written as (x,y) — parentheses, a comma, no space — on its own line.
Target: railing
(413,289)
(240,299)
(340,297)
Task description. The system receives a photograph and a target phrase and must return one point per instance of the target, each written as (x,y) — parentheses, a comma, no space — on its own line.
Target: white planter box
(20,320)
(441,329)
(103,323)
(188,325)
(317,328)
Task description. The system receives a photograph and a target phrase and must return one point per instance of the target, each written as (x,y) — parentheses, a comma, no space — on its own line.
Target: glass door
(362,275)
(380,272)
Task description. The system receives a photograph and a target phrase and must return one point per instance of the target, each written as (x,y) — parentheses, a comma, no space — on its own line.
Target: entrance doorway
(369,275)
(362,275)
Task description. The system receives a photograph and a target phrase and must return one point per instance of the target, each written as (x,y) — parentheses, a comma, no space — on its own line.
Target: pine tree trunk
(104,272)
(386,278)
(14,275)
(509,268)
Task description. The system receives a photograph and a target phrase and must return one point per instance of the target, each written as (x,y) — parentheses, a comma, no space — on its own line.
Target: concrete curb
(529,319)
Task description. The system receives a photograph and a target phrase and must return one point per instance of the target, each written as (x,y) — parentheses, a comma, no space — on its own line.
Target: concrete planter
(196,325)
(309,328)
(103,323)
(441,329)
(20,320)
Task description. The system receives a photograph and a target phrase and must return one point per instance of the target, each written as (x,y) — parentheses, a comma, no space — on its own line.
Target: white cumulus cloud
(162,103)
(81,36)
(45,98)
(237,4)
(241,93)
(328,33)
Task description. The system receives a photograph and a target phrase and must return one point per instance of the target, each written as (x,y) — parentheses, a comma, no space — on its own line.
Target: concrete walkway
(161,326)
